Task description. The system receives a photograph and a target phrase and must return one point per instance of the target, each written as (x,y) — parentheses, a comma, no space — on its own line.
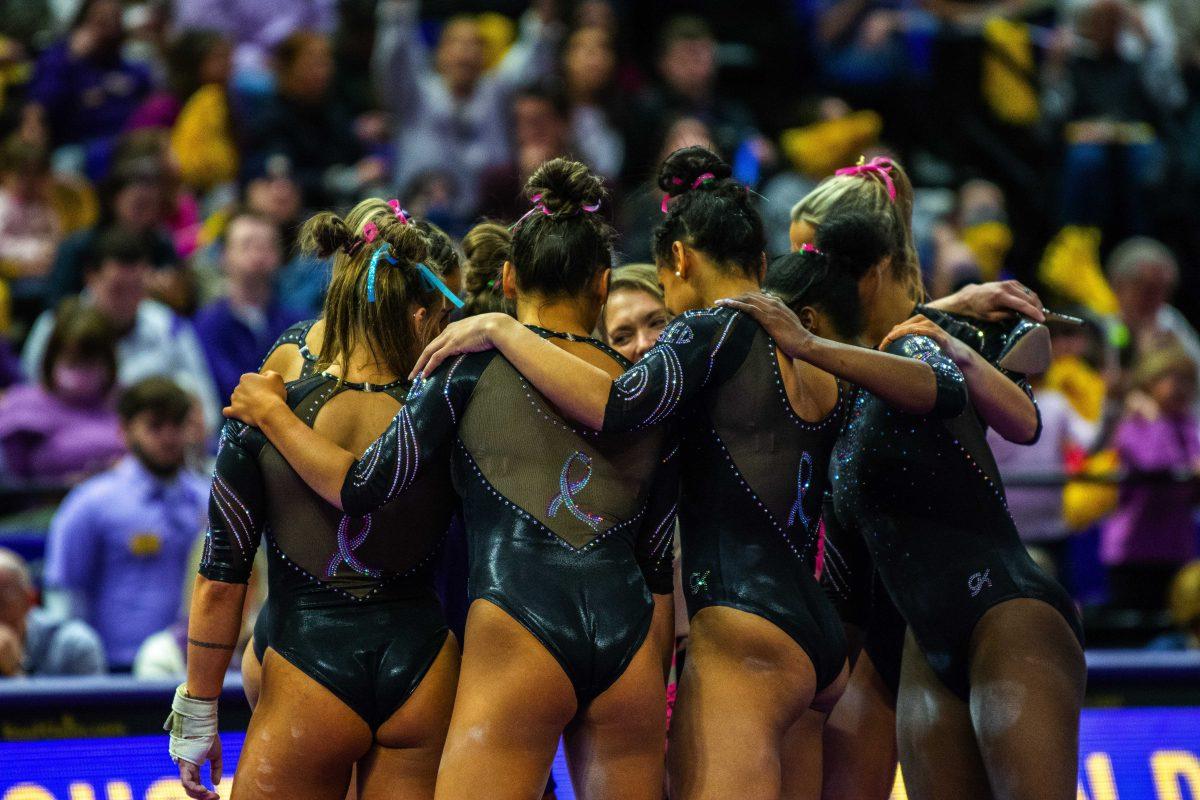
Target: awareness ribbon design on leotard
(803,479)
(346,547)
(567,490)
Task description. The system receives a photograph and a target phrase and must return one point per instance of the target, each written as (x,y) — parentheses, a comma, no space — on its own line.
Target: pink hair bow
(809,247)
(876,166)
(400,213)
(370,231)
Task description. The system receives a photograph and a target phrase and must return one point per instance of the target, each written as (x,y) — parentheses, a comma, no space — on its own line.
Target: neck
(249,294)
(361,367)
(564,316)
(718,284)
(890,311)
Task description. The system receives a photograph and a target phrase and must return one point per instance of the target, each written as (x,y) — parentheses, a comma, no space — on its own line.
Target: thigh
(1027,685)
(251,674)
(512,704)
(744,684)
(859,739)
(801,759)
(936,742)
(616,747)
(302,740)
(408,746)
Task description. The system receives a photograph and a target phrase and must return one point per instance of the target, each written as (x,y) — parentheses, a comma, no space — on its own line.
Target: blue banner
(1127,754)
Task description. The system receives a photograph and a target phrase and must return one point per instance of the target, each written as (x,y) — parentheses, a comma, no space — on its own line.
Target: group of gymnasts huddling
(809,430)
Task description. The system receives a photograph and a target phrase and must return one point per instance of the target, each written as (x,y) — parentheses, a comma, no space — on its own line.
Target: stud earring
(678,274)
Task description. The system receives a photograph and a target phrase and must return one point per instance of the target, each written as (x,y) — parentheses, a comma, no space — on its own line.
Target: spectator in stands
(30,228)
(1112,119)
(541,131)
(152,339)
(193,58)
(1144,275)
(34,642)
(635,312)
(450,116)
(1184,605)
(133,200)
(1153,533)
(119,544)
(83,89)
(589,65)
(238,329)
(256,29)
(63,427)
(304,121)
(687,64)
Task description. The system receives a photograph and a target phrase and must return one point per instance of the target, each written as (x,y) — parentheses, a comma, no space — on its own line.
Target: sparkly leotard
(568,530)
(297,336)
(925,496)
(753,474)
(352,600)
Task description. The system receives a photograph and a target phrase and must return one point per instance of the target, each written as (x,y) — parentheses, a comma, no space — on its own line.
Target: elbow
(209,593)
(1027,430)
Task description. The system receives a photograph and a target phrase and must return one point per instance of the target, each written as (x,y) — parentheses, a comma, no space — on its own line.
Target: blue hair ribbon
(383,251)
(434,282)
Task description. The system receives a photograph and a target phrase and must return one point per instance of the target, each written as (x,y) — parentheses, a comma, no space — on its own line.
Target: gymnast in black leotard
(986,626)
(569,531)
(294,356)
(757,432)
(358,668)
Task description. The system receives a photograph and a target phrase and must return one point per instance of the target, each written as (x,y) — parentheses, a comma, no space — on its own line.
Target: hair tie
(701,180)
(876,166)
(809,247)
(400,213)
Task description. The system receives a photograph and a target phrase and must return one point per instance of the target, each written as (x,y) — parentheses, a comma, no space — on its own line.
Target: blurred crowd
(158,156)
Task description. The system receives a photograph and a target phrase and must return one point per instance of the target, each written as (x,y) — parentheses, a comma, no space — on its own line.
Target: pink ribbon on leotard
(876,166)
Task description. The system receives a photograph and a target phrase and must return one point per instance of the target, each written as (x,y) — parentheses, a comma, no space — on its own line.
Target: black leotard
(297,335)
(568,530)
(753,474)
(925,494)
(352,601)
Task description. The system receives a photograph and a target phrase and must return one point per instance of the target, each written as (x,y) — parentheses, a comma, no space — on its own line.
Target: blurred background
(157,158)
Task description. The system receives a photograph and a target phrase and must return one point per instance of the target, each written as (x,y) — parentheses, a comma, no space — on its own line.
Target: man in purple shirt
(119,545)
(237,330)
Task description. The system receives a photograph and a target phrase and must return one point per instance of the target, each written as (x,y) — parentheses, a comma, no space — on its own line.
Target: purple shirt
(85,98)
(233,345)
(47,439)
(122,542)
(1153,523)
(256,28)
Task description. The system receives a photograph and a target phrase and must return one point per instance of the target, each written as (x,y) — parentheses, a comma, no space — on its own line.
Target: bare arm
(904,383)
(578,389)
(1001,403)
(258,400)
(214,625)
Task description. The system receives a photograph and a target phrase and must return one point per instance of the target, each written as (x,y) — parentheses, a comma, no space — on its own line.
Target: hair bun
(858,238)
(564,186)
(409,244)
(685,166)
(325,234)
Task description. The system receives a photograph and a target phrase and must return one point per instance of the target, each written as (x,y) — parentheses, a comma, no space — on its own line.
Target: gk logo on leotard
(979,581)
(803,479)
(699,582)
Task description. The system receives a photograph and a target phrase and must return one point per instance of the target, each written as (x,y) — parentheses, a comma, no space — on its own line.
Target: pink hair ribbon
(370,232)
(809,247)
(876,166)
(400,213)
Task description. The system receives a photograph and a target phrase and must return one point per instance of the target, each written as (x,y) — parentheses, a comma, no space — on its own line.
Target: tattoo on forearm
(211,645)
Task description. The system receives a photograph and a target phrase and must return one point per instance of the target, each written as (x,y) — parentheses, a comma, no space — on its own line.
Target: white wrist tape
(193,728)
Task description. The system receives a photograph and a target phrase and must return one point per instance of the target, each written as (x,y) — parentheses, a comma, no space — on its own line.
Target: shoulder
(913,346)
(702,324)
(95,491)
(156,318)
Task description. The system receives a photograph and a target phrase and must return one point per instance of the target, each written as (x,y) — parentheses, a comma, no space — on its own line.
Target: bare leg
(1027,684)
(251,674)
(936,741)
(408,747)
(302,740)
(512,704)
(859,740)
(744,684)
(615,749)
